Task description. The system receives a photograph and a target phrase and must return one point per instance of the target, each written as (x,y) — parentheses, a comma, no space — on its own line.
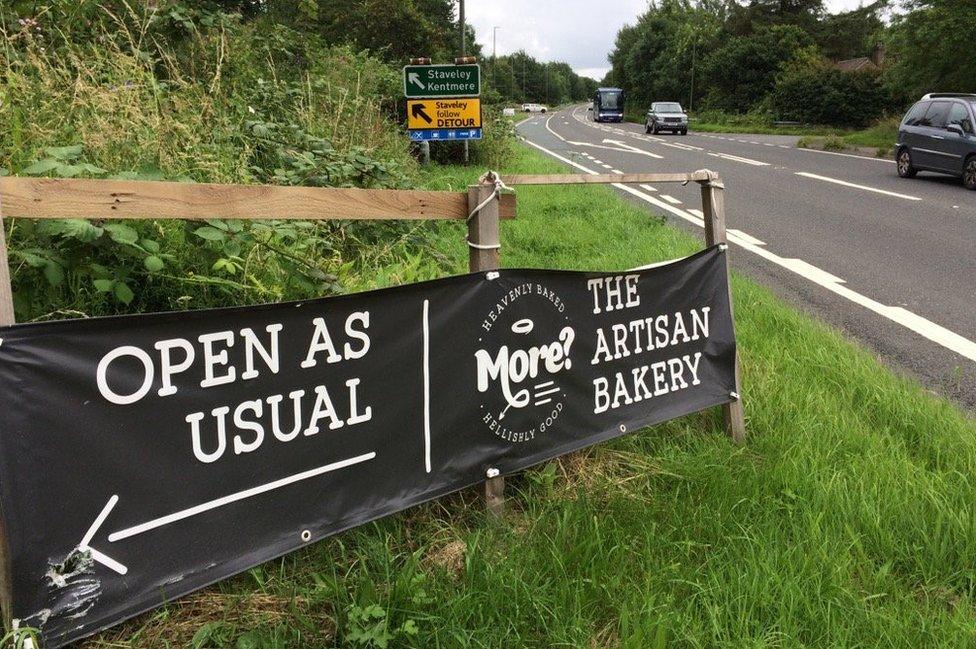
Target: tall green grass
(847,519)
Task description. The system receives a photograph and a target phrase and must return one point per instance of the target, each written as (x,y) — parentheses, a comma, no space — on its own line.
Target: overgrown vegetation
(168,91)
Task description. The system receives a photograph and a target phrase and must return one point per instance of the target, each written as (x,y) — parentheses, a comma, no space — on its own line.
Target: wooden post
(483,237)
(6,292)
(713,208)
(6,318)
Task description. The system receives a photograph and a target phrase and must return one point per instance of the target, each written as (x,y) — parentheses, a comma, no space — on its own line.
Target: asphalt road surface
(891,262)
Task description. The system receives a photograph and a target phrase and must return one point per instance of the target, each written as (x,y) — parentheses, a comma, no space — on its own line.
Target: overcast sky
(580,32)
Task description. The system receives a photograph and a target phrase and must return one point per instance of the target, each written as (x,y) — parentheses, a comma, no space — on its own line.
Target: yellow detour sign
(443,113)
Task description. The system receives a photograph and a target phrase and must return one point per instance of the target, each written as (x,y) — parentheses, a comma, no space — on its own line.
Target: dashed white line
(735,158)
(838,181)
(671,199)
(845,155)
(648,188)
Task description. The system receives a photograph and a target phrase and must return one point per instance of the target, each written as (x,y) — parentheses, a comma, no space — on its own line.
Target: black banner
(143,457)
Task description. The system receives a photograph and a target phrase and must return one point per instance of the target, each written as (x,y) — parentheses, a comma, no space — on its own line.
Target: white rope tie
(498,187)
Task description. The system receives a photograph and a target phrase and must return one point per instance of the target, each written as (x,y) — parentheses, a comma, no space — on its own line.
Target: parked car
(534,108)
(939,134)
(666,116)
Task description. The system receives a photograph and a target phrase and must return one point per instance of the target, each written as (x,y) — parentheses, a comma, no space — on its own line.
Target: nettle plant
(94,267)
(285,154)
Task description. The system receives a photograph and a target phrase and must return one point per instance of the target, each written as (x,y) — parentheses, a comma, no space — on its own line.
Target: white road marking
(739,233)
(616,171)
(648,188)
(735,158)
(634,149)
(923,327)
(698,213)
(683,147)
(845,155)
(837,181)
(671,199)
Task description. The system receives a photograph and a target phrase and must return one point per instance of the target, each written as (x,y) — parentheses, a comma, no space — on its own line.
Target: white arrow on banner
(413,77)
(85,546)
(218,502)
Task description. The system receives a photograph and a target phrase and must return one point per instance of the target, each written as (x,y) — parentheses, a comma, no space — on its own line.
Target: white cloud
(579,32)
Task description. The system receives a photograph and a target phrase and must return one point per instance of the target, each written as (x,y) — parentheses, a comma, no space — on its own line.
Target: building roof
(856,65)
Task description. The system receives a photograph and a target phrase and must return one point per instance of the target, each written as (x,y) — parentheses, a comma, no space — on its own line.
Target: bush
(816,93)
(207,97)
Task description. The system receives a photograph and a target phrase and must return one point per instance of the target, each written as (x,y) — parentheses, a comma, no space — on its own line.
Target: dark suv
(939,134)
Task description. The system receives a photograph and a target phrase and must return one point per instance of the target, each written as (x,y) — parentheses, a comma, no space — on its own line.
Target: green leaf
(79,229)
(104,285)
(209,233)
(122,233)
(41,167)
(410,627)
(3,172)
(153,264)
(232,248)
(123,293)
(217,223)
(54,274)
(92,169)
(64,152)
(150,245)
(67,171)
(33,260)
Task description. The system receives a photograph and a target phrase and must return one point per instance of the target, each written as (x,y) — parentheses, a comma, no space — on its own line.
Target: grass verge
(846,520)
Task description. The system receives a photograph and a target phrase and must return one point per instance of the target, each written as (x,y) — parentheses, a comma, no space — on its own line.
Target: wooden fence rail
(53,198)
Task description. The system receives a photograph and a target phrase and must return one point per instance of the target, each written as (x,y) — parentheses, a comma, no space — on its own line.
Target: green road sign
(432,81)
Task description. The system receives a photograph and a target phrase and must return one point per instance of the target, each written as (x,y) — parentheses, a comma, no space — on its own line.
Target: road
(890,262)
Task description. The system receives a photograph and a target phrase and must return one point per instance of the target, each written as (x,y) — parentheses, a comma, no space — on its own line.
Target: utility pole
(524,56)
(494,53)
(463,54)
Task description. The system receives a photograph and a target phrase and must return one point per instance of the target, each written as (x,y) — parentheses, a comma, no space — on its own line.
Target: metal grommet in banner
(734,395)
(493,472)
(723,246)
(306,536)
(490,275)
(623,428)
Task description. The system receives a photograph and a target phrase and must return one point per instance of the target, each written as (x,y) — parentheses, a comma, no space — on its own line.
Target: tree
(744,70)
(932,47)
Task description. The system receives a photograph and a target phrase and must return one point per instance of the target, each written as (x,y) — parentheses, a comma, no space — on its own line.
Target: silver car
(666,116)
